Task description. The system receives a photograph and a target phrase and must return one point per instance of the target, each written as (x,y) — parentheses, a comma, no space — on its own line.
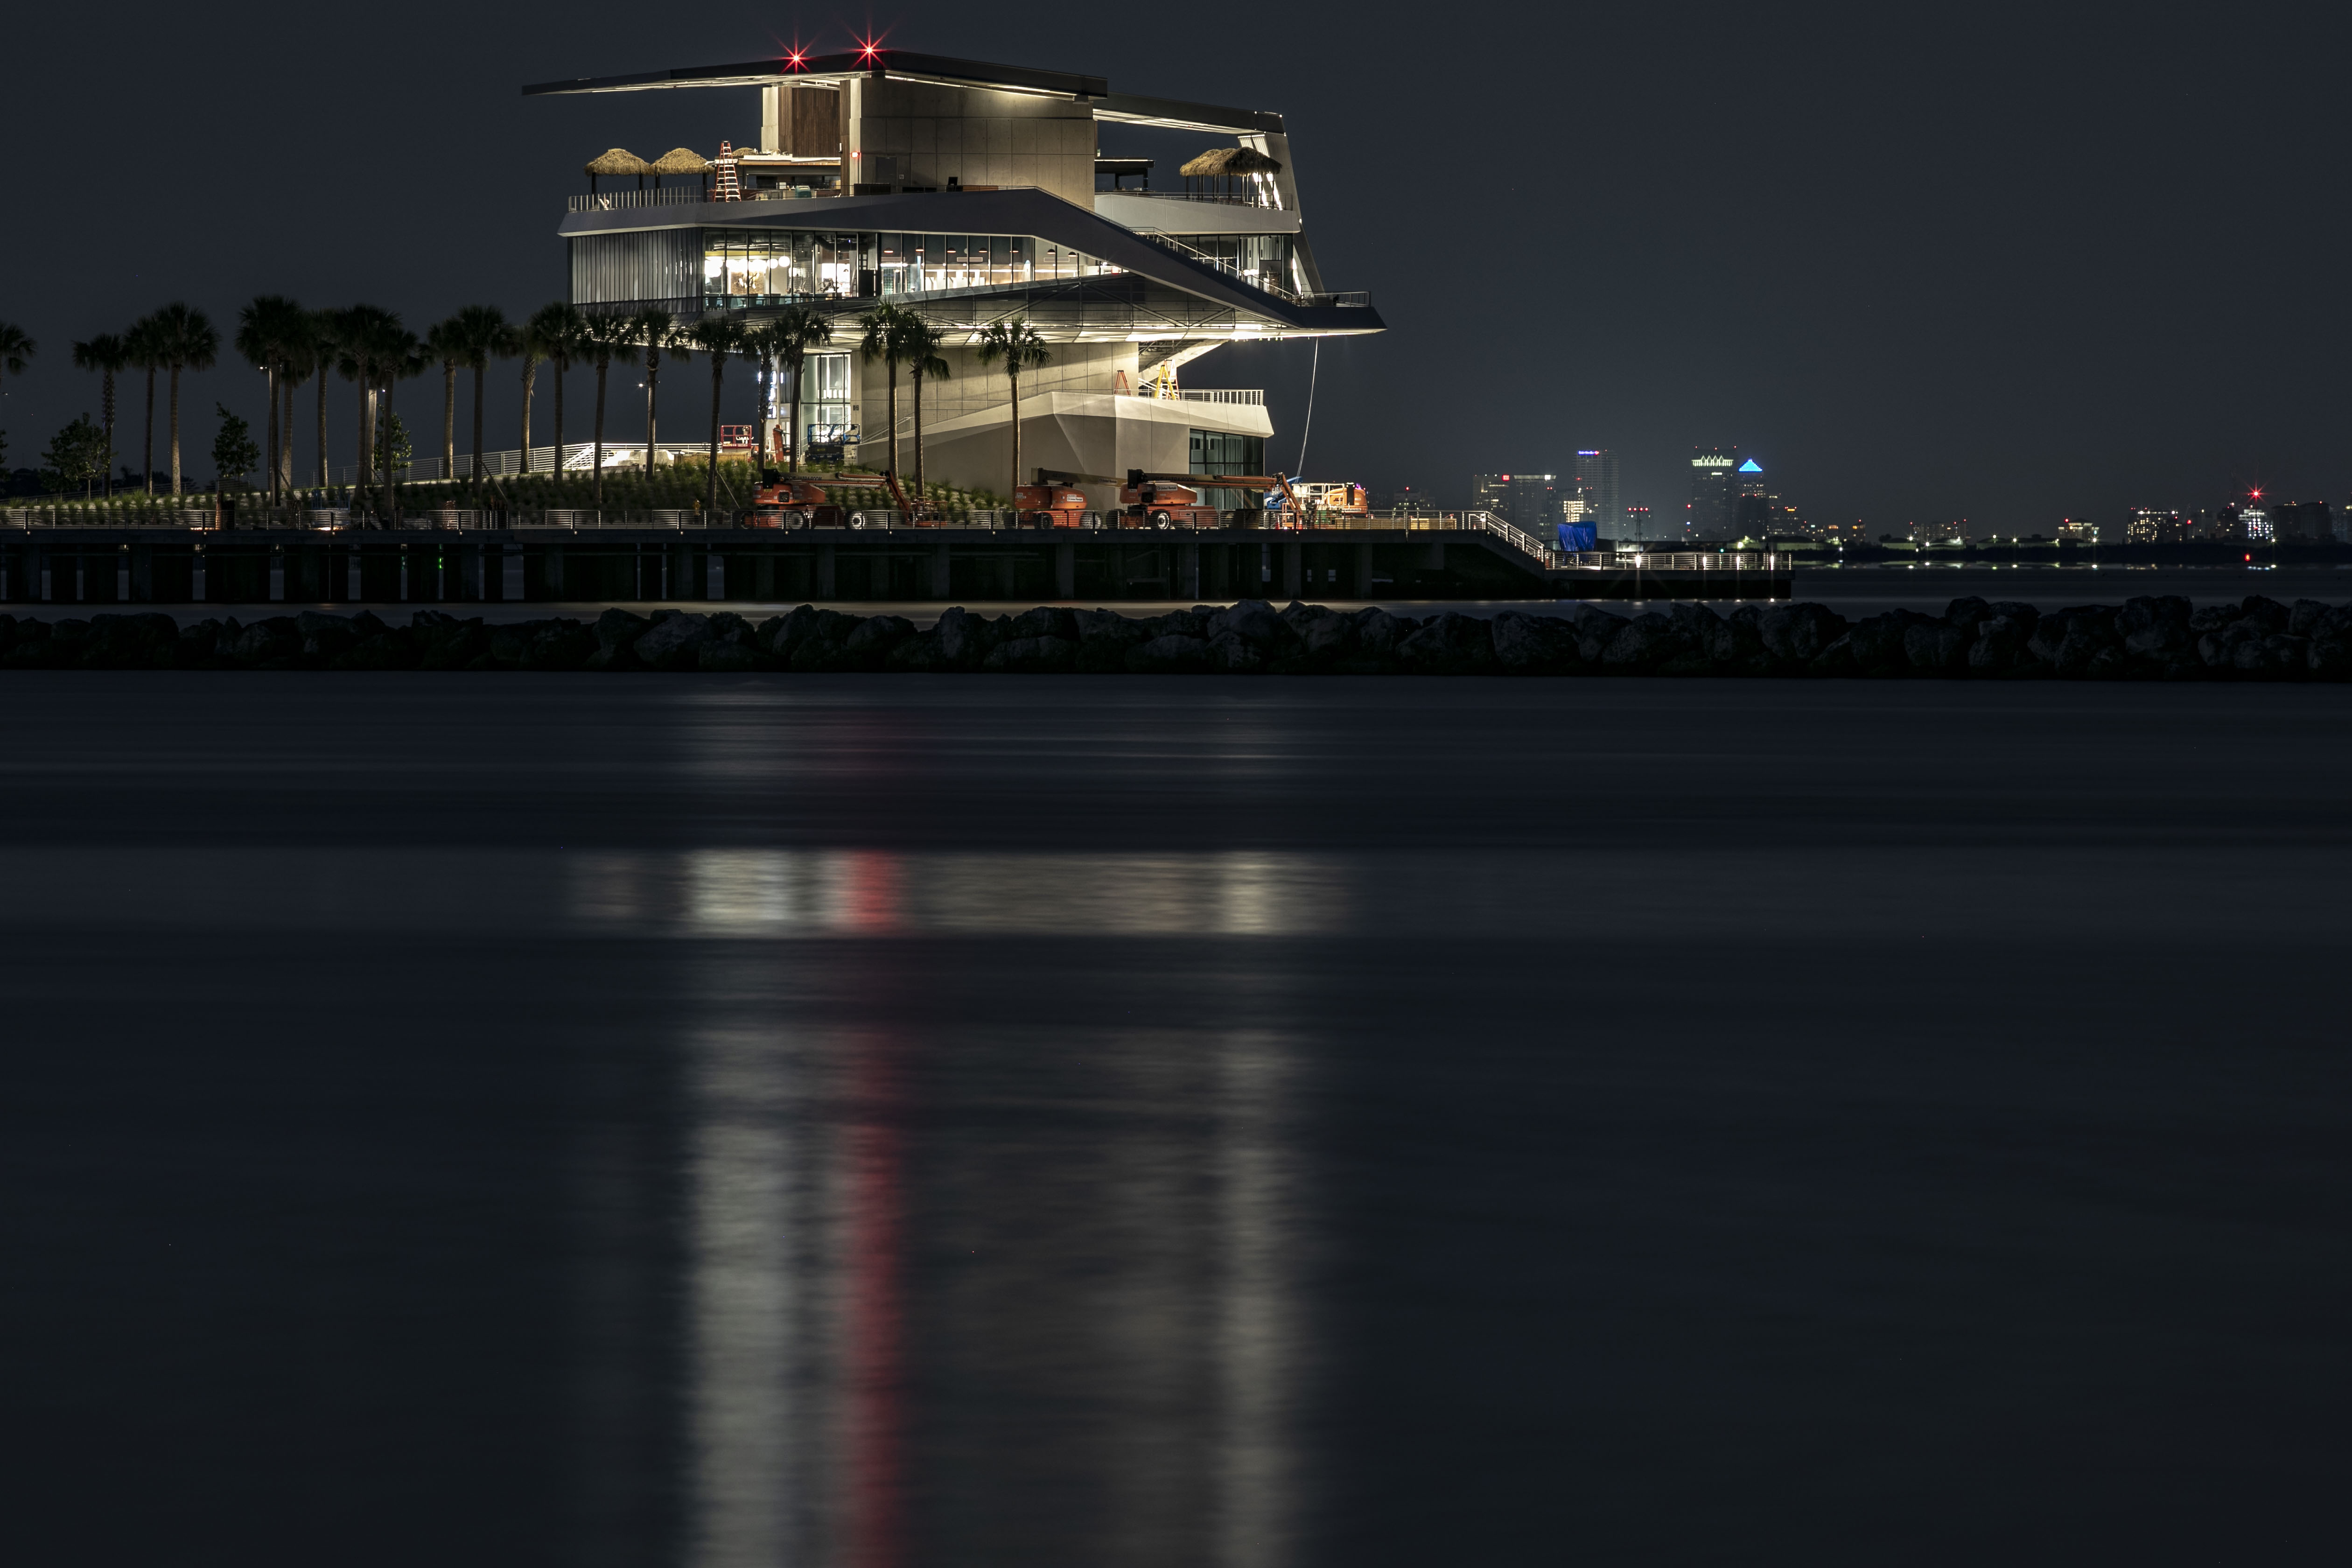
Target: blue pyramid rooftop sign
(1751,467)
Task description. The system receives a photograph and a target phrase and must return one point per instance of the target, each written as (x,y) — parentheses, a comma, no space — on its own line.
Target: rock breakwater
(2141,639)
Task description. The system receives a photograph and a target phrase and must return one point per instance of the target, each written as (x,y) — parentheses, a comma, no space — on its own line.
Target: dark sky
(1923,262)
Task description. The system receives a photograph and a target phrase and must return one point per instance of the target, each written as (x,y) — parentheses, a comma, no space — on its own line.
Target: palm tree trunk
(390,496)
(450,419)
(270,370)
(479,367)
(105,399)
(323,427)
(1014,499)
(175,427)
(560,366)
(604,367)
(919,435)
(286,452)
(710,480)
(530,374)
(147,441)
(890,412)
(793,435)
(653,385)
(363,459)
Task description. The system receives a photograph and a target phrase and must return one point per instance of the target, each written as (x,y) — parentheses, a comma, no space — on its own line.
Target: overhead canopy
(681,161)
(1219,161)
(617,160)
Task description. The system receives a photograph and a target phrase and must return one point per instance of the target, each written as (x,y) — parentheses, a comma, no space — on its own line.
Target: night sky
(1927,262)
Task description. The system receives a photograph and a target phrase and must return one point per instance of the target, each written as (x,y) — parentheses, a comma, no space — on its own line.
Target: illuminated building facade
(1710,514)
(972,194)
(1592,481)
(1522,499)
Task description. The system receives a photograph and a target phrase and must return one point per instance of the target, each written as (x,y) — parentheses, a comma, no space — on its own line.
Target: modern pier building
(969,193)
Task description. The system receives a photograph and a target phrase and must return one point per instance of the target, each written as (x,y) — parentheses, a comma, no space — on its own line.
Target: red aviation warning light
(870,48)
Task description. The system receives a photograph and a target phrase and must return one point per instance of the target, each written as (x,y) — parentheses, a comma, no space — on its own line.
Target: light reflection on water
(792,892)
(814,1307)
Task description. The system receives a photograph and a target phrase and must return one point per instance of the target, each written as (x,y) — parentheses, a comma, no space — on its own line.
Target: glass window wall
(766,266)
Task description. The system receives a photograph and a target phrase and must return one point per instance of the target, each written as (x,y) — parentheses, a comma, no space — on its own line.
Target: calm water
(805,1121)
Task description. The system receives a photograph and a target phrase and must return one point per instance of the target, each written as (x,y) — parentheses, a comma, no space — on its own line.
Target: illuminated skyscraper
(1592,479)
(1709,514)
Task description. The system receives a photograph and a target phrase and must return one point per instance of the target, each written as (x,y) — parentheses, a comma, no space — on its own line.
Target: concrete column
(352,580)
(510,579)
(1363,571)
(824,572)
(196,583)
(278,575)
(763,576)
(1065,570)
(1293,558)
(142,573)
(1436,559)
(714,574)
(551,571)
(1188,573)
(940,589)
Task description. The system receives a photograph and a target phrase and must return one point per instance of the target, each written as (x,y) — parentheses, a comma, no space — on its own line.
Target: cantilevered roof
(1123,107)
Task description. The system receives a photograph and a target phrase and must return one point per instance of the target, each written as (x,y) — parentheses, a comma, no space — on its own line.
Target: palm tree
(717,336)
(264,328)
(443,342)
(16,348)
(298,346)
(796,329)
(319,342)
(657,330)
(886,328)
(1017,345)
(604,336)
(145,353)
(107,354)
(397,355)
(560,329)
(364,337)
(483,335)
(923,360)
(185,339)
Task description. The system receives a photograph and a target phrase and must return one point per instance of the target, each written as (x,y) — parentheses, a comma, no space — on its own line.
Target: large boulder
(132,642)
(1878,645)
(1939,648)
(1796,635)
(1449,644)
(1236,655)
(1377,633)
(1645,646)
(869,645)
(2272,616)
(962,639)
(1173,654)
(2072,641)
(1254,622)
(2000,646)
(2307,617)
(2156,628)
(1533,644)
(1044,621)
(273,644)
(1596,628)
(675,641)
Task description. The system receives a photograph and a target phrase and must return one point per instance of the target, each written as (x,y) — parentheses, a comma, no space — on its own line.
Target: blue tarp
(1576,536)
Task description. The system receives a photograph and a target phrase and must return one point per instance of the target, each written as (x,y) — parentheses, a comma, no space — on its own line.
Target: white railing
(1252,396)
(615,201)
(1518,538)
(1673,561)
(1233,201)
(578,457)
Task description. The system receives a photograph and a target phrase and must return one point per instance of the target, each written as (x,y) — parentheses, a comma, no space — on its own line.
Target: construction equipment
(1161,503)
(1049,506)
(803,501)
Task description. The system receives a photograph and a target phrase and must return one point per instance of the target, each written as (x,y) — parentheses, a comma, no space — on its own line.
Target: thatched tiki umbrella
(1218,168)
(679,161)
(617,160)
